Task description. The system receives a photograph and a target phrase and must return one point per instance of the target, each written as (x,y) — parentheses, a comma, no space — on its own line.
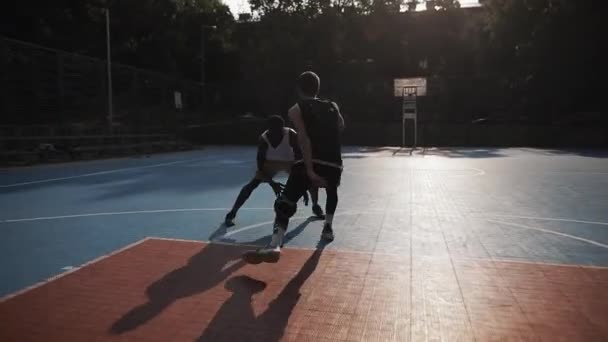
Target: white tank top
(283,151)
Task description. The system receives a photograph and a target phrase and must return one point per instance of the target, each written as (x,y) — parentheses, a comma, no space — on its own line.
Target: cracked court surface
(445,244)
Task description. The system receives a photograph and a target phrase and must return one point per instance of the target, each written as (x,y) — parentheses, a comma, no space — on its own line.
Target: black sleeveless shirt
(321,118)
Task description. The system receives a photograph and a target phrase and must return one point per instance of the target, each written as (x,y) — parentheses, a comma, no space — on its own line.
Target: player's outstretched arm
(295,144)
(340,118)
(261,158)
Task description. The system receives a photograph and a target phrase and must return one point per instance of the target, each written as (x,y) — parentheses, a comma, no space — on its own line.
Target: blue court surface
(517,204)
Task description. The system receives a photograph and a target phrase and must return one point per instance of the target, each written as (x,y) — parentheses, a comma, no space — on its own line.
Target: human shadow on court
(582,152)
(448,152)
(204,270)
(236,320)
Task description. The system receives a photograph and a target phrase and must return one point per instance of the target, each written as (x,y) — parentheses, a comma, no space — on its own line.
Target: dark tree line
(552,52)
(163,35)
(544,54)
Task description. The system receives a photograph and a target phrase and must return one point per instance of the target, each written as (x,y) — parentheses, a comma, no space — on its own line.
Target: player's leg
(333,176)
(330,209)
(241,199)
(285,207)
(316,208)
(270,170)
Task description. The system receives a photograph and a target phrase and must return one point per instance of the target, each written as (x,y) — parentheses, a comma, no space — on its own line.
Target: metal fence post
(109,61)
(60,86)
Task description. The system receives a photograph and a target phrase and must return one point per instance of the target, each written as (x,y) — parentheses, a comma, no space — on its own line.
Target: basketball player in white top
(278,148)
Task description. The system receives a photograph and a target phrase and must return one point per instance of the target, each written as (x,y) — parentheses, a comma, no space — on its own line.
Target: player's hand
(317,180)
(277,187)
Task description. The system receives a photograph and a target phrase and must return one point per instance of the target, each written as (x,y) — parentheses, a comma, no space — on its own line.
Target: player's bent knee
(284,208)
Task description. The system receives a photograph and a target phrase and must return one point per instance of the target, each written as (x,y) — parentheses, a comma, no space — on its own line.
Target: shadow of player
(205,270)
(236,321)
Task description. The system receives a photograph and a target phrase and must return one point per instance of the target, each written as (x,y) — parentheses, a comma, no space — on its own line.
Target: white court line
(100,258)
(540,218)
(523,226)
(135,212)
(107,172)
(238,244)
(480,172)
(122,249)
(372,173)
(253,226)
(270,222)
(538,263)
(123,213)
(361,210)
(61,275)
(348,213)
(458,258)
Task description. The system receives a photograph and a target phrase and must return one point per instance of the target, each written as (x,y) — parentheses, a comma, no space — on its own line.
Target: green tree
(162,35)
(550,50)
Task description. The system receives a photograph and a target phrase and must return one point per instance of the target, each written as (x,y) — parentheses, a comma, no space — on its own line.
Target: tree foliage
(164,35)
(543,51)
(550,49)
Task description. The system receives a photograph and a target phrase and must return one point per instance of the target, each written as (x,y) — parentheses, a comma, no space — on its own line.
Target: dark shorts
(332,174)
(298,182)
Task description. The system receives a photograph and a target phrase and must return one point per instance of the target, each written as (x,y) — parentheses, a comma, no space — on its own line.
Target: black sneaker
(269,254)
(328,233)
(318,212)
(229,220)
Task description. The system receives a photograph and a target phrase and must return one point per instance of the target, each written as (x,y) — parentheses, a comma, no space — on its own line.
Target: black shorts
(298,182)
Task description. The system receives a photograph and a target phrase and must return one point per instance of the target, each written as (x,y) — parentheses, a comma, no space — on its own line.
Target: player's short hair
(275,122)
(308,83)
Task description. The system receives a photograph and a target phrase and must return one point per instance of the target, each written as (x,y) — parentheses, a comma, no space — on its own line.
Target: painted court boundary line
(361,210)
(108,172)
(477,172)
(72,270)
(347,212)
(255,225)
(484,215)
(548,231)
(123,213)
(139,242)
(105,256)
(153,211)
(459,258)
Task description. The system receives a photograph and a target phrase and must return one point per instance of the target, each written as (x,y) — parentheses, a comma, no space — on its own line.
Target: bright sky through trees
(242,6)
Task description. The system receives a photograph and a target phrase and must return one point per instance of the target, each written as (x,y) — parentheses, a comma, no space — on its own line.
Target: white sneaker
(278,234)
(271,253)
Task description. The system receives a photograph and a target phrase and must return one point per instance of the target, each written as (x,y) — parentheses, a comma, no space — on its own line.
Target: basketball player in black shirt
(318,123)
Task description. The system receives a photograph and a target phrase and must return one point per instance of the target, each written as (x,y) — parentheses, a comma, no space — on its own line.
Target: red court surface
(171,290)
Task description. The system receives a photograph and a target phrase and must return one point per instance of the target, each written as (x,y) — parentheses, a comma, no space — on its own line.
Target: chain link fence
(42,86)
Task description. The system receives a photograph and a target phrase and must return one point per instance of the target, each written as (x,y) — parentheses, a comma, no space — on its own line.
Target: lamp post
(203,28)
(109,61)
